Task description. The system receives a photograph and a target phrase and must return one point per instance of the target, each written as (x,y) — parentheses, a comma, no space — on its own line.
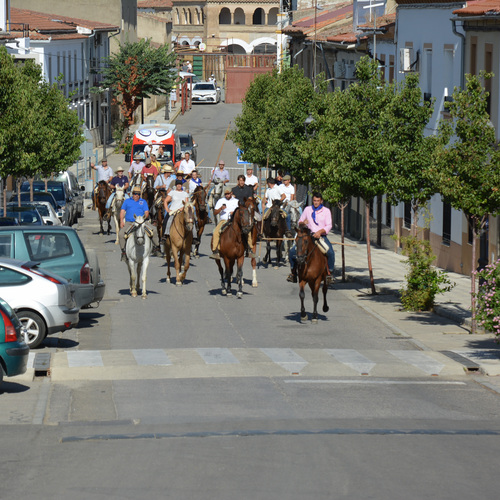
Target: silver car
(44,302)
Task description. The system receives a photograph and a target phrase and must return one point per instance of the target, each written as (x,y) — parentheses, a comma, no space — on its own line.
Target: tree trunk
(368,246)
(475,238)
(342,233)
(415,220)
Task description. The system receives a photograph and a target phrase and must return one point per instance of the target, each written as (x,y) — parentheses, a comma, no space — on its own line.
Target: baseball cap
(287,178)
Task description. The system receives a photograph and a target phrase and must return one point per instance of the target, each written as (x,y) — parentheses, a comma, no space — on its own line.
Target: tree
(270,128)
(138,71)
(468,170)
(413,153)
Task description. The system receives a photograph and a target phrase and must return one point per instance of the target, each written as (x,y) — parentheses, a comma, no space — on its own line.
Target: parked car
(13,350)
(9,221)
(39,196)
(59,250)
(188,145)
(44,208)
(61,194)
(206,92)
(76,191)
(44,302)
(27,216)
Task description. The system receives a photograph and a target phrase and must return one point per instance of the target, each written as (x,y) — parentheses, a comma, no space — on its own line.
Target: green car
(13,350)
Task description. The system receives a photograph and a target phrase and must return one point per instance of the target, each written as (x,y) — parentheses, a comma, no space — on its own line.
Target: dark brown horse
(232,248)
(274,227)
(101,195)
(162,192)
(312,267)
(148,194)
(198,198)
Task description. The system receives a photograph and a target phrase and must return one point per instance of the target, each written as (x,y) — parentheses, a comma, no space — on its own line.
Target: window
(272,17)
(239,16)
(473,55)
(488,66)
(6,245)
(225,16)
(427,76)
(407,216)
(9,277)
(388,214)
(258,16)
(446,224)
(47,246)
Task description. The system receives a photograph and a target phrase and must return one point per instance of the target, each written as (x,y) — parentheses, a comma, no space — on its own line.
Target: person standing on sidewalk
(318,219)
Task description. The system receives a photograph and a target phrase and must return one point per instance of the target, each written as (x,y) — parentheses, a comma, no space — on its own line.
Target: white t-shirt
(177,198)
(251,180)
(288,191)
(231,206)
(271,195)
(186,167)
(192,185)
(147,150)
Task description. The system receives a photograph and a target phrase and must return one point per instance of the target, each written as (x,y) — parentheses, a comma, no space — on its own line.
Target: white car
(44,302)
(46,210)
(206,92)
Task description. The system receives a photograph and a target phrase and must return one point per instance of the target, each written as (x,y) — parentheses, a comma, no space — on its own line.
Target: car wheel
(34,328)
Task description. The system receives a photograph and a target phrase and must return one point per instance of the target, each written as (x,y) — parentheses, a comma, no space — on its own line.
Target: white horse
(294,209)
(138,249)
(116,208)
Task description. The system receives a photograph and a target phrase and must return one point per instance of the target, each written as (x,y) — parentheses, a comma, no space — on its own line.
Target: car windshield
(41,196)
(185,142)
(42,210)
(57,191)
(24,215)
(204,86)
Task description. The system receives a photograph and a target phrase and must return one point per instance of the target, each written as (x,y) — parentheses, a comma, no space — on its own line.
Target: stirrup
(215,255)
(292,278)
(330,280)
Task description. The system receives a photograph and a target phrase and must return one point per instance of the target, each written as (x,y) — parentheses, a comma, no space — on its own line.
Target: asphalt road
(192,395)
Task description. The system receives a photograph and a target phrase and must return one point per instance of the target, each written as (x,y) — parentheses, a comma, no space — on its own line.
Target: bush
(488,298)
(423,281)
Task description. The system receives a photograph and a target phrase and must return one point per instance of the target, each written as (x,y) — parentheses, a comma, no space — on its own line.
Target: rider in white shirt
(251,179)
(287,194)
(174,201)
(223,208)
(187,165)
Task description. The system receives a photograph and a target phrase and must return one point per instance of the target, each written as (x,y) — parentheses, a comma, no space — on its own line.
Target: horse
(232,248)
(160,211)
(215,196)
(199,201)
(138,249)
(136,180)
(100,198)
(148,194)
(179,242)
(293,209)
(274,227)
(116,208)
(312,267)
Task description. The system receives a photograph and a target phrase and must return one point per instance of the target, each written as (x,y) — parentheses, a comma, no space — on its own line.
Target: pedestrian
(318,219)
(173,97)
(242,191)
(131,208)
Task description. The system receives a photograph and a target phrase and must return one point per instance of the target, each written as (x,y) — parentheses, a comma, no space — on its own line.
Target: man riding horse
(119,180)
(318,219)
(131,208)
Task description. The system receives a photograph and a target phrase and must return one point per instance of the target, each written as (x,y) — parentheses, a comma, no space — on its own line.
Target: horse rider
(119,180)
(194,182)
(104,173)
(136,167)
(279,177)
(287,195)
(217,176)
(155,163)
(251,179)
(243,192)
(173,202)
(179,176)
(272,193)
(148,169)
(132,207)
(225,207)
(318,219)
(165,177)
(187,165)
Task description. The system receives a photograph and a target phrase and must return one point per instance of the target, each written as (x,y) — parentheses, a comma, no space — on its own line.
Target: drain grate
(470,366)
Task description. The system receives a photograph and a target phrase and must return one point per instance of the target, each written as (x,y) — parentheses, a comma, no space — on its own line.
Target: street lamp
(104,110)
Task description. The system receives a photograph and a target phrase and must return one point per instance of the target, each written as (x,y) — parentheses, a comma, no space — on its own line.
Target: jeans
(292,255)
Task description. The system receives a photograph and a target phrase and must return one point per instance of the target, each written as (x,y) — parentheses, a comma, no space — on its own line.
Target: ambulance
(162,137)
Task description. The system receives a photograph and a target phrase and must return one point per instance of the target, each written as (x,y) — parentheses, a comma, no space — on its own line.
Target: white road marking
(149,357)
(419,360)
(353,359)
(375,382)
(286,358)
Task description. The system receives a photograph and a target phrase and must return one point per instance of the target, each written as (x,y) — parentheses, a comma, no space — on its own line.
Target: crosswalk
(252,362)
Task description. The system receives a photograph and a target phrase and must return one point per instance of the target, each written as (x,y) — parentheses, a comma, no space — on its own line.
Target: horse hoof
(167,280)
(239,295)
(276,267)
(224,292)
(314,321)
(178,283)
(303,318)
(144,297)
(255,284)
(134,294)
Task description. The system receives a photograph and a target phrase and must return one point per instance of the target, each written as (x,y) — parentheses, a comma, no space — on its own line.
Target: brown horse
(200,204)
(179,242)
(162,192)
(232,248)
(148,194)
(101,195)
(312,268)
(274,227)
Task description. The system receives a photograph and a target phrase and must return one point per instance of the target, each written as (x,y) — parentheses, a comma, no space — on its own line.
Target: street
(192,395)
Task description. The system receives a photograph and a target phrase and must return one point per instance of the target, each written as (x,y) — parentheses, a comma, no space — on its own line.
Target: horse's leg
(315,296)
(229,273)
(325,289)
(177,264)
(132,266)
(109,226)
(278,252)
(302,295)
(267,257)
(221,272)
(144,273)
(117,228)
(167,257)
(187,257)
(239,276)
(255,283)
(101,231)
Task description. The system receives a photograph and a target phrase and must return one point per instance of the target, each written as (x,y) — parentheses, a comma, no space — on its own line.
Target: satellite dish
(202,47)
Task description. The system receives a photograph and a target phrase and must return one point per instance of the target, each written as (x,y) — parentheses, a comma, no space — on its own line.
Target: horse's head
(139,229)
(103,191)
(188,211)
(150,183)
(199,199)
(294,210)
(275,213)
(303,243)
(253,208)
(243,217)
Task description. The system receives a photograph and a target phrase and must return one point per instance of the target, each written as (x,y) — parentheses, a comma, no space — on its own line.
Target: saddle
(225,226)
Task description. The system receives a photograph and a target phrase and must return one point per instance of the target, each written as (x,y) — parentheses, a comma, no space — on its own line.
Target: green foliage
(488,298)
(423,282)
(270,128)
(138,71)
(39,134)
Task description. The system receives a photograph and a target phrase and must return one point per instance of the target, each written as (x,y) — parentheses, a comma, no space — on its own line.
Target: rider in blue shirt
(132,207)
